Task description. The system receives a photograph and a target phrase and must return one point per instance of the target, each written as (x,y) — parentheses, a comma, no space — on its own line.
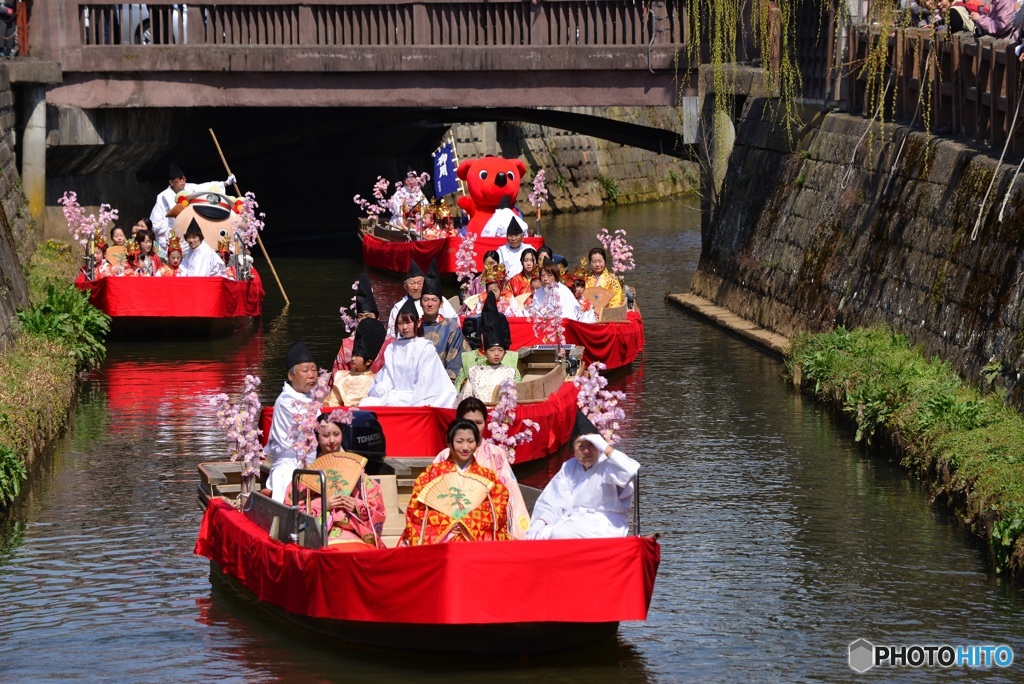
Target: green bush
(67,317)
(12,474)
(611,190)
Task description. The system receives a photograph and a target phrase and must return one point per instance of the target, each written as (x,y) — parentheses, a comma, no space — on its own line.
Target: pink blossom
(465,259)
(418,179)
(302,435)
(540,190)
(239,423)
(503,416)
(350,314)
(619,251)
(82,227)
(340,417)
(600,405)
(247,222)
(547,317)
(380,191)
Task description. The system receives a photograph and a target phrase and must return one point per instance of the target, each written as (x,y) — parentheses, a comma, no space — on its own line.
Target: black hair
(598,250)
(461,424)
(468,405)
(492,254)
(528,250)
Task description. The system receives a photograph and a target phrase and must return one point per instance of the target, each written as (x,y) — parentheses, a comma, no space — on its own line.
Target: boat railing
(298,523)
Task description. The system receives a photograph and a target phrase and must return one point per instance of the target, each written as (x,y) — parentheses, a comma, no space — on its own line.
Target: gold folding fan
(117,255)
(598,297)
(342,471)
(456,494)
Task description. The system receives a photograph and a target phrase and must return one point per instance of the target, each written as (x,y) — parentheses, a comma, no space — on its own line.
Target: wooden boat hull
(423,599)
(181,306)
(394,257)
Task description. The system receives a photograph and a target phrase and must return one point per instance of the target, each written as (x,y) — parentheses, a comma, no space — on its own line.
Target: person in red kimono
(170,269)
(486,521)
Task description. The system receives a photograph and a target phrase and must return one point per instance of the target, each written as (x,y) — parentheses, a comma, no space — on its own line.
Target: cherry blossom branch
(503,416)
(247,222)
(350,314)
(546,318)
(598,404)
(619,251)
(240,425)
(80,226)
(465,260)
(540,192)
(380,191)
(302,435)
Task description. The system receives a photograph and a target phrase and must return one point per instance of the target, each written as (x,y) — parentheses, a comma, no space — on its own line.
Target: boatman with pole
(165,202)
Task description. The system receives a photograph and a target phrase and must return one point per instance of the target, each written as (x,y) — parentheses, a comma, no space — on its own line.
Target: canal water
(781,541)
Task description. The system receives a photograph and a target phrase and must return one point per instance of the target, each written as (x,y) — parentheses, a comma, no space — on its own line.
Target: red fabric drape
(614,344)
(579,580)
(213,297)
(417,432)
(396,256)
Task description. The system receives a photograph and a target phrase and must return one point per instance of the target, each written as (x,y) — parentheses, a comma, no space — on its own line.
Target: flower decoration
(465,259)
(600,405)
(349,314)
(302,435)
(380,191)
(619,251)
(239,423)
(340,417)
(503,416)
(540,191)
(247,222)
(80,226)
(546,318)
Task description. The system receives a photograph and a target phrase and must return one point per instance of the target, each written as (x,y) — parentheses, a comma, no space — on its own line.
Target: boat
(213,305)
(390,249)
(545,396)
(616,340)
(528,600)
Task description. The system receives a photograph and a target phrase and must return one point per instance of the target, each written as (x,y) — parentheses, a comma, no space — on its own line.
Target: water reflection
(781,542)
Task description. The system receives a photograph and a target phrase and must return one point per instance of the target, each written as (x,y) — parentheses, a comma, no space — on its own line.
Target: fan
(342,471)
(598,297)
(117,255)
(456,494)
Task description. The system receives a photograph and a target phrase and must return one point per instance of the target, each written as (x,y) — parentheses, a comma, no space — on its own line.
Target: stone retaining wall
(805,239)
(17,237)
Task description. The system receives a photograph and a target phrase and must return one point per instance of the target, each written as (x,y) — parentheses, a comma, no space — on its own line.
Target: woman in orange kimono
(519,284)
(486,521)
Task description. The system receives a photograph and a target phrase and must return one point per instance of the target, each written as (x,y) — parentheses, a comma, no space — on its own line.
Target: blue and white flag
(445,180)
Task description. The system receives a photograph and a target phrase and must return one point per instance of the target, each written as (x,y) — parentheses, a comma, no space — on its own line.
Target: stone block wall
(17,237)
(809,237)
(584,172)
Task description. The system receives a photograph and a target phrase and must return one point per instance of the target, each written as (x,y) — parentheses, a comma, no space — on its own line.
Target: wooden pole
(238,192)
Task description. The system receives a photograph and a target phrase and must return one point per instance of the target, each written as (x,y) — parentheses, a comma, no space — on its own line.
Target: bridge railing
(361,23)
(969,87)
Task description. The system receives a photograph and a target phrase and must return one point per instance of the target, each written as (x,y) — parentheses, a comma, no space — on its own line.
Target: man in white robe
(414,288)
(294,397)
(200,259)
(413,374)
(503,217)
(510,252)
(164,201)
(590,497)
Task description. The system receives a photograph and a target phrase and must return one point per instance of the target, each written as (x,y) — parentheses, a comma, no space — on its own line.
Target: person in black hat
(591,496)
(352,383)
(165,201)
(512,250)
(294,397)
(414,290)
(366,305)
(442,332)
(491,358)
(200,260)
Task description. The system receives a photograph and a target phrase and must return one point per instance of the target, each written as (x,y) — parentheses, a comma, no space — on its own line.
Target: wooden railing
(974,84)
(361,23)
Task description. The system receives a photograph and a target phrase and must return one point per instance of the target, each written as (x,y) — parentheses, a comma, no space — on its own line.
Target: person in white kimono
(165,201)
(510,252)
(413,374)
(200,259)
(414,289)
(590,497)
(553,287)
(302,377)
(503,217)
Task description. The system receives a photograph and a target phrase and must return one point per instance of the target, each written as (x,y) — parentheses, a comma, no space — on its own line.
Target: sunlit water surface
(781,541)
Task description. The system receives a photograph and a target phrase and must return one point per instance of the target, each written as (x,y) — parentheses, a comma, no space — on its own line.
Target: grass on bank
(969,445)
(59,335)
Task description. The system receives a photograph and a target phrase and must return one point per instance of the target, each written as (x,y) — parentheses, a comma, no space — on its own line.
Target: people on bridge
(494,457)
(165,202)
(294,397)
(200,260)
(457,500)
(414,290)
(413,374)
(592,494)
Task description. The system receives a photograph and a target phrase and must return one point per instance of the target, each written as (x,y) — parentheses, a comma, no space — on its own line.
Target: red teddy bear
(489,179)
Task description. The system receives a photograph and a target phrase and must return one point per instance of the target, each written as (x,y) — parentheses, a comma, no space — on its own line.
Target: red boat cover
(419,431)
(213,297)
(396,256)
(613,344)
(526,581)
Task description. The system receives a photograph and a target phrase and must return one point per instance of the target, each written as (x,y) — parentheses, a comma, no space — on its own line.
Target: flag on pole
(445,180)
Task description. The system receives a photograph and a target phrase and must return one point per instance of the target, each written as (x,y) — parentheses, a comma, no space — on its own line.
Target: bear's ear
(463,171)
(522,168)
